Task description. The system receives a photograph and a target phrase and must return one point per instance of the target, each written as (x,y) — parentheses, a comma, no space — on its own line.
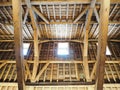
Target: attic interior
(59,44)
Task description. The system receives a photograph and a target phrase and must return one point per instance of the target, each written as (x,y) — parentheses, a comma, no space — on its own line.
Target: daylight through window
(107,50)
(63,49)
(25,48)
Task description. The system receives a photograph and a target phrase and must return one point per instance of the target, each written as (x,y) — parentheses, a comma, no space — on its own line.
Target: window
(63,49)
(25,48)
(107,50)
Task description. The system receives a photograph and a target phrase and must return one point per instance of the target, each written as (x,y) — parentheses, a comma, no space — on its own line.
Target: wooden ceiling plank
(1,74)
(60,11)
(74,8)
(76,71)
(17,19)
(48,13)
(25,16)
(113,10)
(12,72)
(107,74)
(41,10)
(3,64)
(6,50)
(15,77)
(112,72)
(102,42)
(53,6)
(67,12)
(96,14)
(51,73)
(7,13)
(116,15)
(3,14)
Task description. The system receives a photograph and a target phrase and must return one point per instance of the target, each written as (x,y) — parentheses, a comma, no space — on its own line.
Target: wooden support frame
(102,42)
(80,15)
(44,41)
(36,31)
(58,61)
(36,2)
(42,70)
(40,14)
(17,19)
(85,48)
(50,71)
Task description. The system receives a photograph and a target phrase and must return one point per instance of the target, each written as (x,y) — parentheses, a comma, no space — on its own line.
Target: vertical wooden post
(36,52)
(36,49)
(86,30)
(17,19)
(102,42)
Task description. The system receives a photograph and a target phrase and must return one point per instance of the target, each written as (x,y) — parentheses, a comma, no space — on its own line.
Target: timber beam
(63,22)
(18,39)
(75,40)
(38,2)
(36,30)
(102,42)
(85,46)
(58,61)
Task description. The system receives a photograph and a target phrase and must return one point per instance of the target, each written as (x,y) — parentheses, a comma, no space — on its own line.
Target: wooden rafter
(25,16)
(81,14)
(102,42)
(3,64)
(17,19)
(40,14)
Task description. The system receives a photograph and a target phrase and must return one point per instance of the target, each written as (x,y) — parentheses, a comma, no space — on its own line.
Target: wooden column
(36,52)
(36,31)
(17,20)
(102,42)
(85,48)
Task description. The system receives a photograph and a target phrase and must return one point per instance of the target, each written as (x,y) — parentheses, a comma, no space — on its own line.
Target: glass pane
(25,48)
(63,49)
(108,51)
